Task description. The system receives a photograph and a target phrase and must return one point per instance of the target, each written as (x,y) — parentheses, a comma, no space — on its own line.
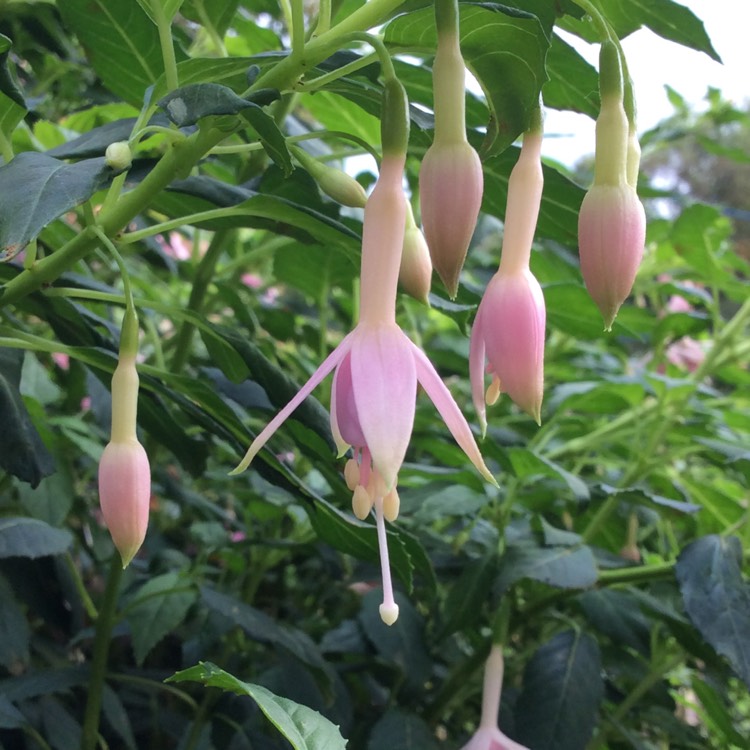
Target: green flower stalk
(450,178)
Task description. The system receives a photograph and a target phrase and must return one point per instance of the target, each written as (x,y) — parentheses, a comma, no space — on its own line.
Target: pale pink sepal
(611,237)
(328,364)
(345,425)
(491,738)
(384,382)
(125,494)
(510,326)
(450,196)
(449,411)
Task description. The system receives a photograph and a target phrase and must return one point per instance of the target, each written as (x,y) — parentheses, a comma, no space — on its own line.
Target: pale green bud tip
(394,125)
(118,156)
(610,71)
(389,613)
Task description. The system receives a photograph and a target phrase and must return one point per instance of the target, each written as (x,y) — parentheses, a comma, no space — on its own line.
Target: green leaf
(15,634)
(715,712)
(188,104)
(526,463)
(571,311)
(618,615)
(573,82)
(665,18)
(264,629)
(503,48)
(336,112)
(402,643)
(51,500)
(121,43)
(10,716)
(561,199)
(464,604)
(169,8)
(563,567)
(399,730)
(27,537)
(717,598)
(35,189)
(159,606)
(22,452)
(219,14)
(63,731)
(8,85)
(304,728)
(562,690)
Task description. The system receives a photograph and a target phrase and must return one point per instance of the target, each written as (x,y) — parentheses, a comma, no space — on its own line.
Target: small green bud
(333,182)
(118,156)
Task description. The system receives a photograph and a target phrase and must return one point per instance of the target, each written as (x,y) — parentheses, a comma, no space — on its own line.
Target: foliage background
(610,560)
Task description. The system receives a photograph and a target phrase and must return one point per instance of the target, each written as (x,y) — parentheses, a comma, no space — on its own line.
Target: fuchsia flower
(488,736)
(509,325)
(124,471)
(377,371)
(612,222)
(450,176)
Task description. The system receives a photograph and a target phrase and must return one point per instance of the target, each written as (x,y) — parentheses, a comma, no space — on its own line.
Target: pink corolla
(612,221)
(509,326)
(450,176)
(377,369)
(124,471)
(488,736)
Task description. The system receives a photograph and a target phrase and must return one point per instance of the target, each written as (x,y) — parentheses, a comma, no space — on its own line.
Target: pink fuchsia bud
(488,736)
(450,178)
(611,237)
(124,471)
(124,495)
(450,195)
(509,332)
(415,273)
(612,222)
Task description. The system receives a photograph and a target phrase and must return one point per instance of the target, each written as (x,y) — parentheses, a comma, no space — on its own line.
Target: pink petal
(476,370)
(328,364)
(449,411)
(384,382)
(344,420)
(125,495)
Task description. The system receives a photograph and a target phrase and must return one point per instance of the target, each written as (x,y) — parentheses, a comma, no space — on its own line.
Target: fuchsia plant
(377,367)
(488,736)
(415,273)
(509,326)
(612,222)
(450,176)
(124,471)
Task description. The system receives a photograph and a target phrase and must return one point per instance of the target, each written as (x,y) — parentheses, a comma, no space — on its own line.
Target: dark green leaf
(8,83)
(571,310)
(618,615)
(464,603)
(505,50)
(14,631)
(10,716)
(715,708)
(264,629)
(526,463)
(399,730)
(63,731)
(169,7)
(116,716)
(51,500)
(27,537)
(160,605)
(563,567)
(188,104)
(304,728)
(22,452)
(562,689)
(717,598)
(121,43)
(35,189)
(402,643)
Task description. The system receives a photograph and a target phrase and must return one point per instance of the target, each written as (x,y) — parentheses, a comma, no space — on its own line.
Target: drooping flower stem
(104,624)
(448,68)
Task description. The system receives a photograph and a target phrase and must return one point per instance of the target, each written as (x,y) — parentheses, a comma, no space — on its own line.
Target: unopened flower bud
(450,195)
(124,471)
(612,222)
(118,156)
(415,273)
(336,184)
